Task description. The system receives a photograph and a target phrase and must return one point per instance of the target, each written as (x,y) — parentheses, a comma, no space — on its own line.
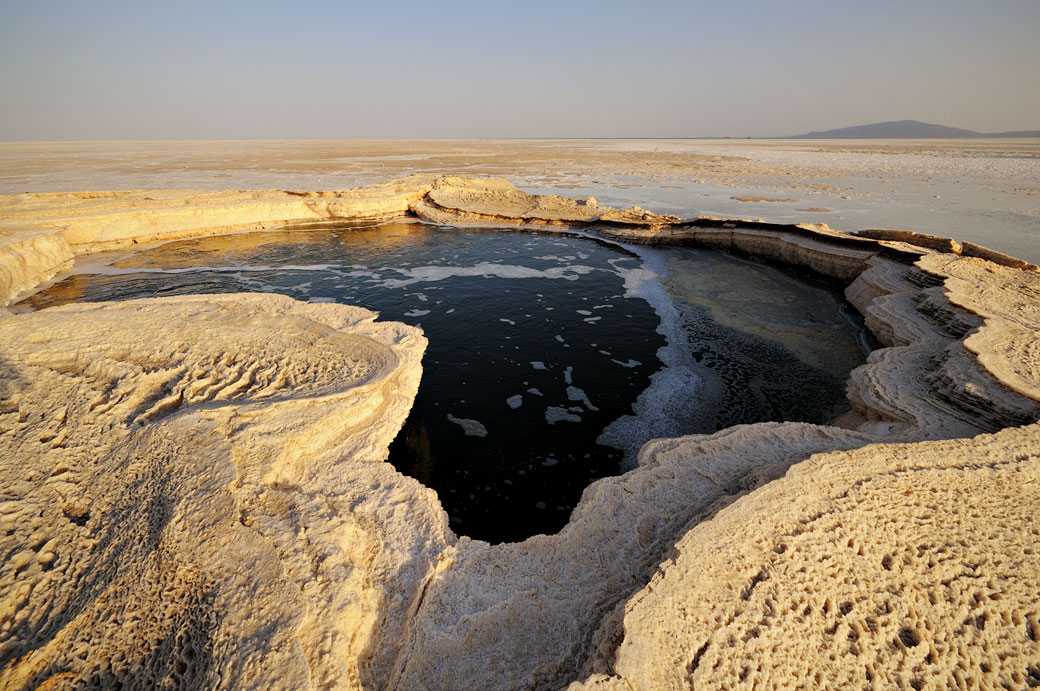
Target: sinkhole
(552,357)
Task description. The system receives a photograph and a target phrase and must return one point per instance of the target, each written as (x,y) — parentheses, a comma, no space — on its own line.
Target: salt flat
(980,190)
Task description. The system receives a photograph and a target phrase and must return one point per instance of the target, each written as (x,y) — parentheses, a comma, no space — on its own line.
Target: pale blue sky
(315,70)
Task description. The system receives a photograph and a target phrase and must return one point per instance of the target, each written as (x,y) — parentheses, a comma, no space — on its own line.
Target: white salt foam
(471,428)
(554,414)
(570,272)
(669,406)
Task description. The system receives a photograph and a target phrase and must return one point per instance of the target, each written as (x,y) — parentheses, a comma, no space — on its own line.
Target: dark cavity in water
(536,346)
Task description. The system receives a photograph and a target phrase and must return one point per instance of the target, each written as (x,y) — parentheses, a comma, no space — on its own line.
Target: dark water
(538,343)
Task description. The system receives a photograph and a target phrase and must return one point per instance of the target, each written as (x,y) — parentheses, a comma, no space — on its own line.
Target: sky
(143,70)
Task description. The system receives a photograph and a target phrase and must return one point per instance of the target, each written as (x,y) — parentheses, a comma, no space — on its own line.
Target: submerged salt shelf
(541,345)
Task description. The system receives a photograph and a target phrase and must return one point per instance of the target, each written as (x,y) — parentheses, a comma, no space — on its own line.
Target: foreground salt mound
(523,615)
(901,566)
(194,493)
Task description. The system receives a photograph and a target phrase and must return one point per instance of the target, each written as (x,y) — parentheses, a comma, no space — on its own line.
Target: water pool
(552,357)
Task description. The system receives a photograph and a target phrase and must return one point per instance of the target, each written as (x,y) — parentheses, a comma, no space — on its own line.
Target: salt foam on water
(109,270)
(471,428)
(630,363)
(664,408)
(555,414)
(576,394)
(571,272)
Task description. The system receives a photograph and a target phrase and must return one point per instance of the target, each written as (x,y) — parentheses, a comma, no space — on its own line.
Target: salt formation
(455,200)
(905,566)
(41,233)
(189,486)
(193,490)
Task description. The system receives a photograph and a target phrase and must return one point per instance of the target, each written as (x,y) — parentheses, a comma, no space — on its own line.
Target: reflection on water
(538,344)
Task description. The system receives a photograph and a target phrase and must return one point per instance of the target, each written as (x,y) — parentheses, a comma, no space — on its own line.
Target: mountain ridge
(908,129)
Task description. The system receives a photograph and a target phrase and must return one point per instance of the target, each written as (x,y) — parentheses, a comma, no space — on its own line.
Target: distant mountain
(908,129)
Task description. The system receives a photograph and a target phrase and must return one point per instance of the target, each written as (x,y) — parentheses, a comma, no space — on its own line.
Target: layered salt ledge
(194,493)
(41,233)
(885,554)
